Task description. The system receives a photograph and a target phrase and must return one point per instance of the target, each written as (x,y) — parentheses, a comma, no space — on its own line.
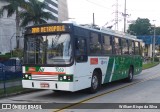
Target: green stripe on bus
(109,70)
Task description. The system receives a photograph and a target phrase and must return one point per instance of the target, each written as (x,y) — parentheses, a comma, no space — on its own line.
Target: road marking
(105,93)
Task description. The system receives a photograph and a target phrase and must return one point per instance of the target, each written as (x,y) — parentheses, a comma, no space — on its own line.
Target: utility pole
(125,16)
(116,19)
(93,20)
(116,16)
(154,37)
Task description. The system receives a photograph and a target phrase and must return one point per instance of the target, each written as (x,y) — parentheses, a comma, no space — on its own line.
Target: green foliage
(12,7)
(156,59)
(27,11)
(5,57)
(11,90)
(142,26)
(157,30)
(149,65)
(17,53)
(34,13)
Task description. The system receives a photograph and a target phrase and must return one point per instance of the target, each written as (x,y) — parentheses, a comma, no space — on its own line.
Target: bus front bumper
(53,85)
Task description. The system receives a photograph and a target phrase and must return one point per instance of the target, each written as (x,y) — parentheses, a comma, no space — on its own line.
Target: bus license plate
(44,85)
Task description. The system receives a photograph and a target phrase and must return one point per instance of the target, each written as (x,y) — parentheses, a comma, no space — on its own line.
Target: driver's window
(81,50)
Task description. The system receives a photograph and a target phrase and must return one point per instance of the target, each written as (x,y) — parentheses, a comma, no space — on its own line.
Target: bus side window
(107,44)
(124,43)
(80,50)
(95,44)
(130,47)
(137,48)
(133,47)
(117,46)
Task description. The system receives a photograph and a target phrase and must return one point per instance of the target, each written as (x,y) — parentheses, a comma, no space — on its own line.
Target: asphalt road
(144,89)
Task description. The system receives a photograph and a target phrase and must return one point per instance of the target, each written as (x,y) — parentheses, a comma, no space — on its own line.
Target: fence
(10,76)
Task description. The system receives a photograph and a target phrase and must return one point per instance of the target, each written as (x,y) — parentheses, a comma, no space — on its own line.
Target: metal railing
(10,76)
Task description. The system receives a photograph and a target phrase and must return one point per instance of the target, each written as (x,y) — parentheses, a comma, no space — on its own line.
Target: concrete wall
(7,30)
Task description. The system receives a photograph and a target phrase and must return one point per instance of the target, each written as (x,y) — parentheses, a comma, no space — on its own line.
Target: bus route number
(58,69)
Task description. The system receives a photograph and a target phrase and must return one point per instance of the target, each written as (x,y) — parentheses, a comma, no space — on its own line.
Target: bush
(5,57)
(156,59)
(17,53)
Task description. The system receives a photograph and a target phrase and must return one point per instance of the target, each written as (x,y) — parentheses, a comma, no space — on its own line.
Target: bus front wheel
(95,83)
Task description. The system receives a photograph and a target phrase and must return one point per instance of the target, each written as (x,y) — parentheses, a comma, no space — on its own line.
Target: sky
(81,11)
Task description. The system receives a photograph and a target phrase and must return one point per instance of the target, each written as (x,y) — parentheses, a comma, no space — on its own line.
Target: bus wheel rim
(95,82)
(131,75)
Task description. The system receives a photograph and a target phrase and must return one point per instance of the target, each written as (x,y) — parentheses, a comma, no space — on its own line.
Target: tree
(142,26)
(27,11)
(12,7)
(157,30)
(34,13)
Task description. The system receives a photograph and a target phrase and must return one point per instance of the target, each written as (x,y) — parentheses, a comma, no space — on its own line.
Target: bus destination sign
(48,29)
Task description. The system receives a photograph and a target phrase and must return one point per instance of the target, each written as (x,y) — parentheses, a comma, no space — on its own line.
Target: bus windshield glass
(48,49)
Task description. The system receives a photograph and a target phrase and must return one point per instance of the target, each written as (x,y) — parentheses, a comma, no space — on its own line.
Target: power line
(102,6)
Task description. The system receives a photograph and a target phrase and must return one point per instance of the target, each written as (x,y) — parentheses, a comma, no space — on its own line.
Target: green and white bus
(70,57)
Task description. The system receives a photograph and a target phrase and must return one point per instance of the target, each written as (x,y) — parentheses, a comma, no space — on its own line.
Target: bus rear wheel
(95,83)
(130,75)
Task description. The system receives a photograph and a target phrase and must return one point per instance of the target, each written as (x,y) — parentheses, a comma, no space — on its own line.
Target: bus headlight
(65,78)
(27,76)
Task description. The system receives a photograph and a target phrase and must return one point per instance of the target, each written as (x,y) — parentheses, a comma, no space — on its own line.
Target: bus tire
(95,82)
(56,91)
(130,75)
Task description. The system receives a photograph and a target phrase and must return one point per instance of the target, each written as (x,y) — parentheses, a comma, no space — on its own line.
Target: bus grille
(45,77)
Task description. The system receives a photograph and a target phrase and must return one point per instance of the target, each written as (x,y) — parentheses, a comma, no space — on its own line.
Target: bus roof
(100,30)
(110,32)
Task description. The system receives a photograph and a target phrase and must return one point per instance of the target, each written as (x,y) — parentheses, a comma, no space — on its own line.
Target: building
(52,7)
(62,10)
(58,8)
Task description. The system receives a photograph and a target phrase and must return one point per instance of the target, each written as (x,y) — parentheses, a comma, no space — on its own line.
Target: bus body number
(58,69)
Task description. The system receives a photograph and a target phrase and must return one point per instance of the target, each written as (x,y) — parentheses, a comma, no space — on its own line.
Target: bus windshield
(48,49)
